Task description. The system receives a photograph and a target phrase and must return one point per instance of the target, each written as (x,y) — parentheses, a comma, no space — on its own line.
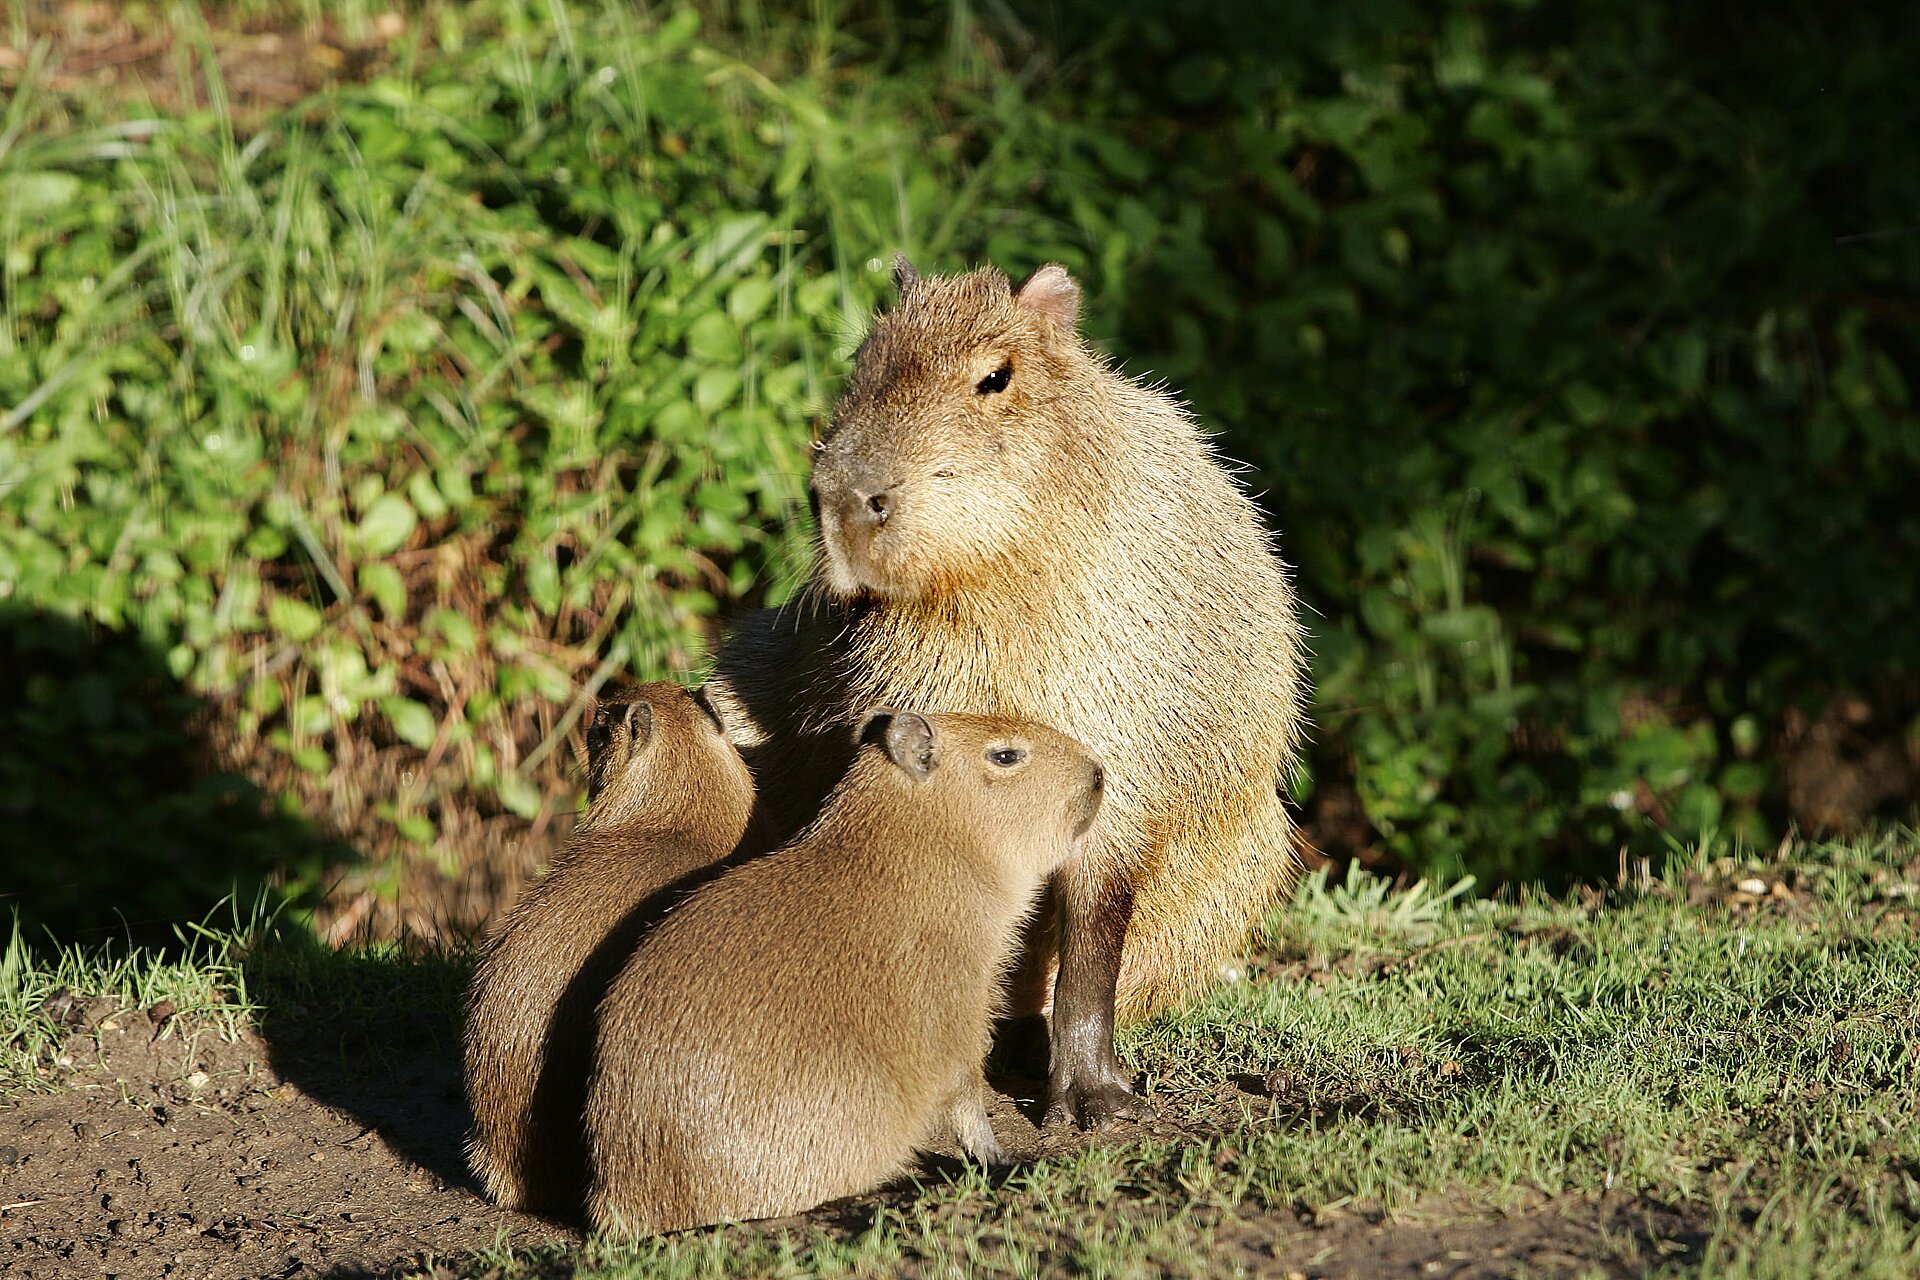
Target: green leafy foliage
(119,821)
(397,422)
(1571,394)
(390,426)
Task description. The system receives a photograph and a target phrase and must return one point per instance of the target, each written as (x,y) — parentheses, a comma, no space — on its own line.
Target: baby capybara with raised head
(796,1029)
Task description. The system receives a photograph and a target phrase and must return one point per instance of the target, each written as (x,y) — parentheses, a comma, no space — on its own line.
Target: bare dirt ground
(103,49)
(335,1150)
(171,1152)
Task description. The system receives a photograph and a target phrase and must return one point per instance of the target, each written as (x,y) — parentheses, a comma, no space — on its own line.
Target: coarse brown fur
(1010,526)
(667,798)
(795,1030)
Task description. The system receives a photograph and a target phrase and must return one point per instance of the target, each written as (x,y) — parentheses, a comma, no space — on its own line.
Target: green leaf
(749,298)
(296,620)
(714,340)
(543,584)
(314,759)
(715,389)
(387,525)
(34,195)
(412,722)
(1459,626)
(426,499)
(456,629)
(1744,780)
(381,582)
(1587,403)
(734,242)
(518,795)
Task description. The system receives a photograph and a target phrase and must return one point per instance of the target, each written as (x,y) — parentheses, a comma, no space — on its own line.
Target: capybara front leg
(1085,1082)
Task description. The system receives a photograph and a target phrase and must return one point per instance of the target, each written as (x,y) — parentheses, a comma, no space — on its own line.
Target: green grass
(45,989)
(1744,1066)
(1752,1069)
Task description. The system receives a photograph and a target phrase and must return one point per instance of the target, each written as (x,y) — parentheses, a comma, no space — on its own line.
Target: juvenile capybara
(796,1029)
(1010,526)
(667,796)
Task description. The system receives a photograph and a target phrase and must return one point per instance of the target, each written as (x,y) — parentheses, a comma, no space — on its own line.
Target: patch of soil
(1457,1239)
(335,1149)
(1853,762)
(1781,890)
(128,54)
(171,1152)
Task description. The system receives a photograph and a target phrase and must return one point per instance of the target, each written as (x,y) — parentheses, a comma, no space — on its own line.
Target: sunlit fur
(972,475)
(667,801)
(1088,563)
(795,1030)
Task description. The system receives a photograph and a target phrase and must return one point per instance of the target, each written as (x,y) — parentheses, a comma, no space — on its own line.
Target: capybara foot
(1091,1104)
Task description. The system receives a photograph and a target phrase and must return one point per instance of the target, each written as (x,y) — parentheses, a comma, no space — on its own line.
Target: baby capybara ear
(639,724)
(618,729)
(707,709)
(908,739)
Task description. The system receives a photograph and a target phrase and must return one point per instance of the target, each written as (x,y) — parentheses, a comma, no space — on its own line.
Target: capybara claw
(1095,1105)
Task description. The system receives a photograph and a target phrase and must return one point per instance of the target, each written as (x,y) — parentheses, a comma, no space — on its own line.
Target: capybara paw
(1092,1104)
(984,1149)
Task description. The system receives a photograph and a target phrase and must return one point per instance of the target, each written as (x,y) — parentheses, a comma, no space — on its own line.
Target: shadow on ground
(120,821)
(372,1033)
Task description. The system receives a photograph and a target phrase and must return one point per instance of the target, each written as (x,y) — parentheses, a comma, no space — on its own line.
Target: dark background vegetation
(375,384)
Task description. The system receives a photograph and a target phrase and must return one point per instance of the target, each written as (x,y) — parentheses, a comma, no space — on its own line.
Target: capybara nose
(871,505)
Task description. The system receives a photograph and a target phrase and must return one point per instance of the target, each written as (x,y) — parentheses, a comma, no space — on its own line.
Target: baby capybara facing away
(666,797)
(795,1030)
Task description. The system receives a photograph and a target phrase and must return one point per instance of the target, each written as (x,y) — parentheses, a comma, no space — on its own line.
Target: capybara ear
(904,276)
(912,744)
(700,699)
(640,723)
(604,748)
(1050,292)
(872,729)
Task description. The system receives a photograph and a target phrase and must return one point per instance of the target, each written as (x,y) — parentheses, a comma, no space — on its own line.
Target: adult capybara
(1010,526)
(667,796)
(796,1029)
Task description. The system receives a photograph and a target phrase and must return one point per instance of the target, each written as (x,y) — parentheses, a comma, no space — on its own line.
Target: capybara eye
(1005,757)
(997,380)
